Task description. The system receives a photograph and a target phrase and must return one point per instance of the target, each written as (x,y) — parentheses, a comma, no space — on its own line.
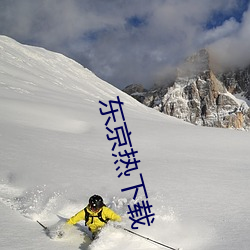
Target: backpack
(99,216)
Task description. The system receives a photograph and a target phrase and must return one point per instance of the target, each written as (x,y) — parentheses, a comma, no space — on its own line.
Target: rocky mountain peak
(196,64)
(200,96)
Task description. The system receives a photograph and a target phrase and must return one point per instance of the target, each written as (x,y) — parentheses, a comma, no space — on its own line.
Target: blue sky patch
(136,21)
(219,17)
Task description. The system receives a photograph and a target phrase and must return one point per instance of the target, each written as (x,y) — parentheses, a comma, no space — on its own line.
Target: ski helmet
(95,202)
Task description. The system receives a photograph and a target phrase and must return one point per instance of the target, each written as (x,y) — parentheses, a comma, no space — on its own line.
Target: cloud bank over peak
(127,42)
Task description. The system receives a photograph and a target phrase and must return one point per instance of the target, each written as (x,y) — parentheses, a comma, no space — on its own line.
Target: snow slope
(54,155)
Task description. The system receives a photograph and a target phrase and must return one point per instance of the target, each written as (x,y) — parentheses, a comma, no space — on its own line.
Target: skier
(95,214)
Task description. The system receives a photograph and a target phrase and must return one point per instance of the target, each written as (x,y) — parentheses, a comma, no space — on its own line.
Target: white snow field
(54,155)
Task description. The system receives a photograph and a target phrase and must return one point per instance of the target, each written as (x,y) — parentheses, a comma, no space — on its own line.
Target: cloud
(233,49)
(125,42)
(228,28)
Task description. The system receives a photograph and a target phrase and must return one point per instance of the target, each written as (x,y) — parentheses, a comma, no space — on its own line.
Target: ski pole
(159,243)
(45,228)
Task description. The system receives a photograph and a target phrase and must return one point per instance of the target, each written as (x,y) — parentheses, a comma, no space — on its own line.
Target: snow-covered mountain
(55,154)
(201,95)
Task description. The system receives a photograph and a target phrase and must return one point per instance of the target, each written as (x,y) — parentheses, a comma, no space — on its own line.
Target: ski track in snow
(43,117)
(40,204)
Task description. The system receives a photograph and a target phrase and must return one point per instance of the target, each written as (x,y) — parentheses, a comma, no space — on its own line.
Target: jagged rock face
(237,81)
(199,97)
(137,91)
(204,102)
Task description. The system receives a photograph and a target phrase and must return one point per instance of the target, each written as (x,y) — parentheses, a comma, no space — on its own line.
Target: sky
(136,41)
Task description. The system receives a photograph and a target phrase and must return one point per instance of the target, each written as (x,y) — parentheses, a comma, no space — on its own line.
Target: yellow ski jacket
(94,223)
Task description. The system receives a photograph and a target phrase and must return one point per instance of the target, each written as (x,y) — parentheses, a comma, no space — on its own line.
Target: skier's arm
(77,217)
(110,214)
